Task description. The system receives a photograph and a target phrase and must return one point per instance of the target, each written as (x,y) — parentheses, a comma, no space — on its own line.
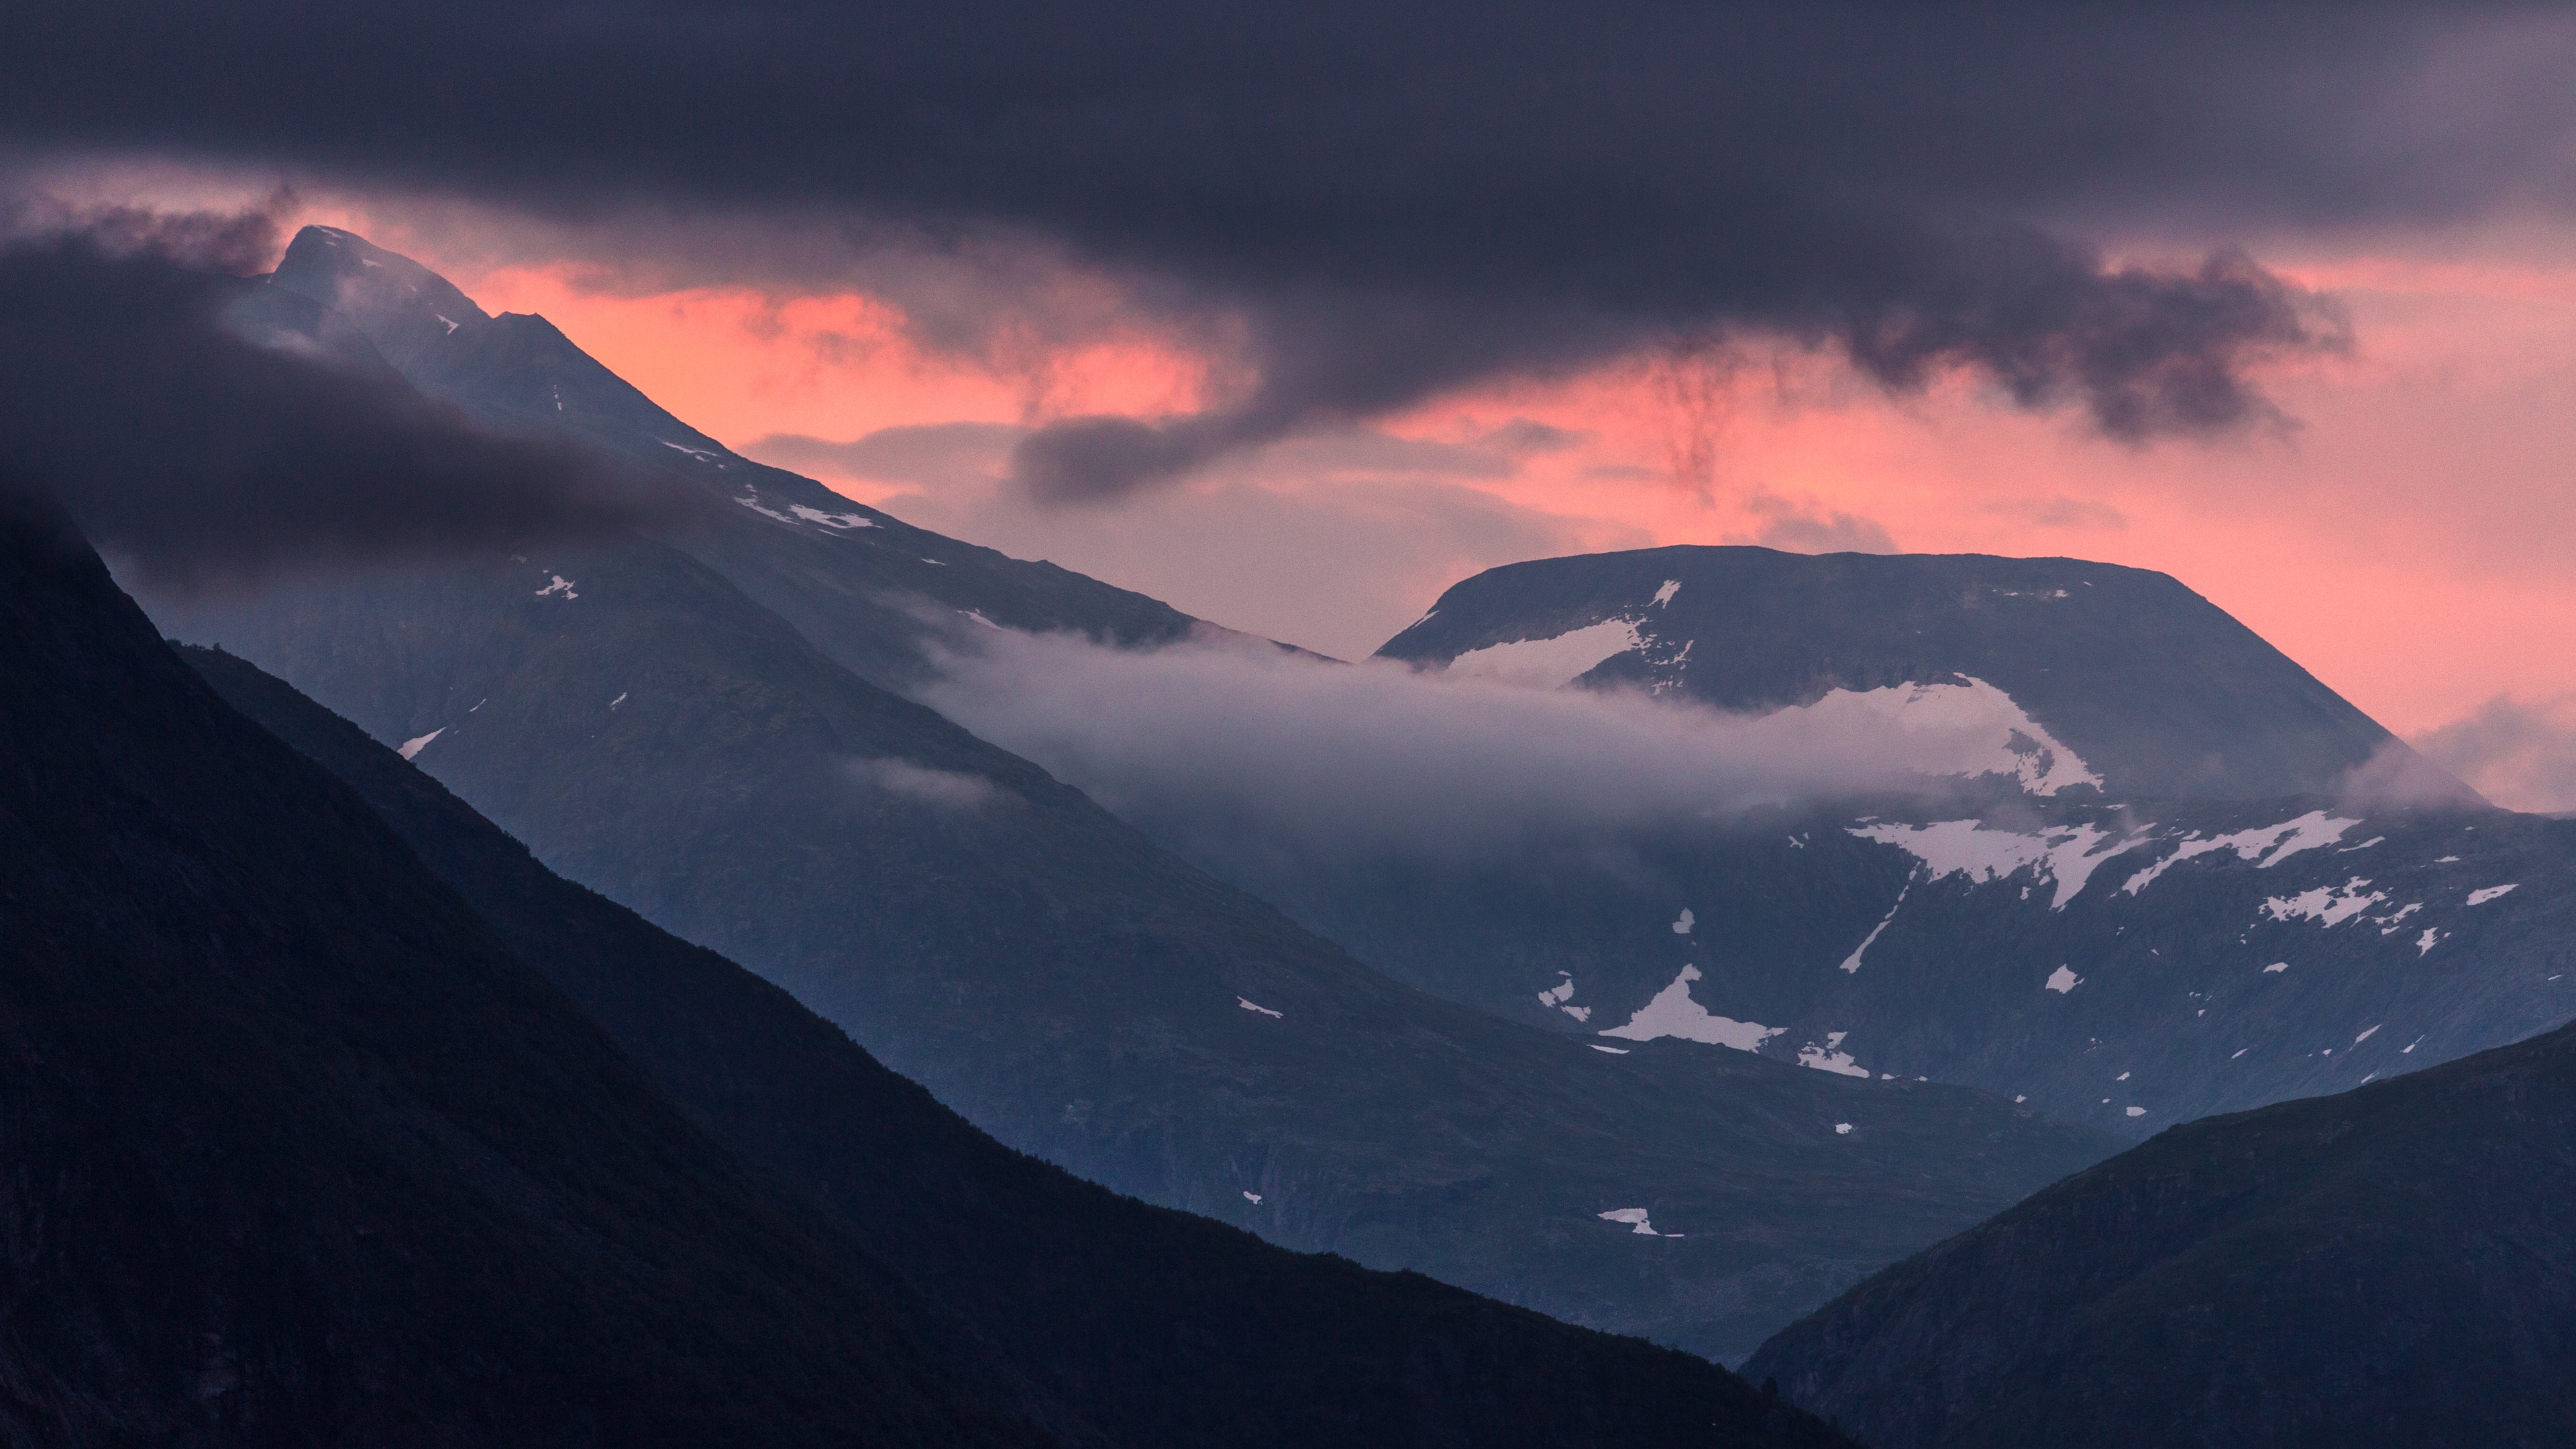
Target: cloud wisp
(2519,755)
(204,429)
(1256,758)
(1371,206)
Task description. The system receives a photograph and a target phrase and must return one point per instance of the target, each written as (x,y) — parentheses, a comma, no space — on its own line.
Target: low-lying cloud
(201,428)
(2519,755)
(1250,758)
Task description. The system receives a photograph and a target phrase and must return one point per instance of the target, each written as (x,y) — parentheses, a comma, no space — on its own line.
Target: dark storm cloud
(1392,200)
(205,428)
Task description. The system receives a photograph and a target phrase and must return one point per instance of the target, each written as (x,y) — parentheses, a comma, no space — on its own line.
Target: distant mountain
(691,726)
(1155,1327)
(2038,928)
(865,587)
(299,1153)
(2090,675)
(2394,1266)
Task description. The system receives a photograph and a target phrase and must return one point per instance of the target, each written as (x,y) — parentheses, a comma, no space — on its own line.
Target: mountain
(2033,928)
(299,1153)
(1156,1327)
(871,591)
(2090,675)
(2392,1266)
(2131,964)
(658,730)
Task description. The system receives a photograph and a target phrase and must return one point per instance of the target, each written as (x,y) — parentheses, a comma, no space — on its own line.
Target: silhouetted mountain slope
(2394,1266)
(298,1153)
(2160,692)
(1157,1326)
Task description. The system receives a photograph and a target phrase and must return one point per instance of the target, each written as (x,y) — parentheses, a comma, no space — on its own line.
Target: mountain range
(699,727)
(342,1115)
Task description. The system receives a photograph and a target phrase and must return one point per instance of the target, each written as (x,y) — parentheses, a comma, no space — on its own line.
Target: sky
(1294,318)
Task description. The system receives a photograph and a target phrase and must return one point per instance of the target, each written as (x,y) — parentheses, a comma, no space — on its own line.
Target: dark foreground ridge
(299,1153)
(2394,1266)
(1158,1327)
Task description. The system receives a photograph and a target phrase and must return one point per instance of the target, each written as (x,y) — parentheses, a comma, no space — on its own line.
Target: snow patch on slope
(2265,845)
(1996,736)
(2326,905)
(1548,663)
(1673,1013)
(1831,1057)
(1851,963)
(842,521)
(2068,855)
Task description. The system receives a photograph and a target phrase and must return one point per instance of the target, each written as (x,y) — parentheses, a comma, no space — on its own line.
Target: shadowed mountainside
(1157,1326)
(299,1153)
(2394,1266)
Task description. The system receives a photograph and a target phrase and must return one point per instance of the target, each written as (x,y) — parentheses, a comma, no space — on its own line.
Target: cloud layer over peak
(1379,203)
(206,428)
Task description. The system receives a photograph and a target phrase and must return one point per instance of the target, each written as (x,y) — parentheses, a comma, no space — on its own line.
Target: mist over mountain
(1899,870)
(2146,687)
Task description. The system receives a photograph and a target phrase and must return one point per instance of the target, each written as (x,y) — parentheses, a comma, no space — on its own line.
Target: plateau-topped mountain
(696,727)
(2392,1266)
(1149,1326)
(2091,676)
(2039,928)
(300,1153)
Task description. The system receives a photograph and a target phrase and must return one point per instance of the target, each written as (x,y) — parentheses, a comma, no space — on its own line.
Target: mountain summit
(2092,676)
